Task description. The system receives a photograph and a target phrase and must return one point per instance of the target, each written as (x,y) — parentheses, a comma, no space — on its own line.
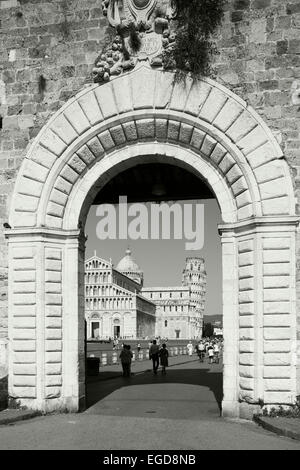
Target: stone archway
(144,116)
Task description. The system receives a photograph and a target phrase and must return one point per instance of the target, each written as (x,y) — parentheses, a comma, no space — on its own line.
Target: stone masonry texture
(47,51)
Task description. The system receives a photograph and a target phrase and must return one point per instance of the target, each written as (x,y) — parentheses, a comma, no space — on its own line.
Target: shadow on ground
(98,389)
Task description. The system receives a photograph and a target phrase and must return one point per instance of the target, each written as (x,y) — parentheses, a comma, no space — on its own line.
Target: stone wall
(47,50)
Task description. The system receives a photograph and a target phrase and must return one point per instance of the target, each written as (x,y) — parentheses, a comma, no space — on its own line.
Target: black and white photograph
(149,229)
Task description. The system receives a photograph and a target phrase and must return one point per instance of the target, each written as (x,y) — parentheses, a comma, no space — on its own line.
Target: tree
(208,330)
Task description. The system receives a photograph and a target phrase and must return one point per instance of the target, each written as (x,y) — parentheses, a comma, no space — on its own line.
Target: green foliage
(134,38)
(292,411)
(197,21)
(208,330)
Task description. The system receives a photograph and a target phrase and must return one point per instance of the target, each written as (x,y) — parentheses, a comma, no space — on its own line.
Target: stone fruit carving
(142,33)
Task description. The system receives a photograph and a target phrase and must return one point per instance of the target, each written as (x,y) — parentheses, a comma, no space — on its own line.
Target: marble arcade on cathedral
(117,304)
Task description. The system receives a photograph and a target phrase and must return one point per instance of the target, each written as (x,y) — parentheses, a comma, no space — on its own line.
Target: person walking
(153,355)
(216,352)
(201,351)
(190,348)
(210,354)
(126,358)
(138,347)
(163,355)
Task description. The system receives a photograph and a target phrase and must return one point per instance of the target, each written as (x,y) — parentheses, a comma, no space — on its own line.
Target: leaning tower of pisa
(194,275)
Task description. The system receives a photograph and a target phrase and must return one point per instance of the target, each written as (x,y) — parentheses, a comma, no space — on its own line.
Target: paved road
(179,411)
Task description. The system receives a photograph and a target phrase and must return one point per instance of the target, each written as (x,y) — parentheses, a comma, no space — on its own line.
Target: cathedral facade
(117,304)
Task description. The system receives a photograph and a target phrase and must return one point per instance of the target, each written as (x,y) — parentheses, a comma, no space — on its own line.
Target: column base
(59,405)
(230,409)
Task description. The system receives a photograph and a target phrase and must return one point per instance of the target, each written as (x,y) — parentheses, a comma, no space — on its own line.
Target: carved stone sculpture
(142,33)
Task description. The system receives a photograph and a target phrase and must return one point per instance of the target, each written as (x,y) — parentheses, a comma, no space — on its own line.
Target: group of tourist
(207,347)
(211,348)
(156,353)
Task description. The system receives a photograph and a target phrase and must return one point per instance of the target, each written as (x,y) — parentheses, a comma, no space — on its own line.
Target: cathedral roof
(128,264)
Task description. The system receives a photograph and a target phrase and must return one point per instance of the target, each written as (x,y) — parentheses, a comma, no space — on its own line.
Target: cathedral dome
(128,266)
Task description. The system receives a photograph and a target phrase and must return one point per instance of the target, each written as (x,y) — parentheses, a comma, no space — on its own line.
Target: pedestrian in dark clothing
(126,358)
(163,354)
(153,354)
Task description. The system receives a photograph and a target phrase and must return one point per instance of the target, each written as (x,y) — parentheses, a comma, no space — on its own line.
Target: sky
(163,261)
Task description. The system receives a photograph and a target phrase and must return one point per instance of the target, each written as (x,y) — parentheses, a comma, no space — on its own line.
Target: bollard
(184,350)
(171,352)
(133,356)
(176,351)
(104,359)
(180,351)
(140,355)
(115,358)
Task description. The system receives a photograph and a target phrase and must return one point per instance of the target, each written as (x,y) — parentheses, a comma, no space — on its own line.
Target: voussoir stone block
(52,142)
(251,141)
(208,145)
(228,115)
(163,90)
(197,138)
(185,134)
(118,135)
(122,97)
(218,153)
(145,129)
(180,94)
(43,156)
(173,130)
(197,97)
(142,89)
(64,129)
(106,140)
(77,117)
(106,101)
(35,171)
(90,107)
(161,129)
(241,127)
(212,105)
(92,150)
